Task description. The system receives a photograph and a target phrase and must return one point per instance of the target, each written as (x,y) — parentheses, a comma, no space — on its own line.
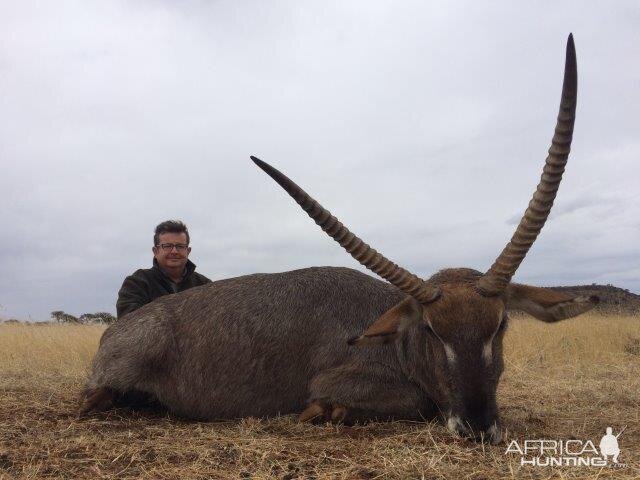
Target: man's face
(172,257)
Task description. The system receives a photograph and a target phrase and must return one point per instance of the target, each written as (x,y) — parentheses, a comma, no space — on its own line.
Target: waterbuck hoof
(338,414)
(96,400)
(313,411)
(318,411)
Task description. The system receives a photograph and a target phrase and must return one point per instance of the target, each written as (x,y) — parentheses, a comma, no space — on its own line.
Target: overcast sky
(423,126)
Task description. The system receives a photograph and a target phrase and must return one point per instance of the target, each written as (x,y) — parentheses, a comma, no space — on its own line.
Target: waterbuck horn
(499,275)
(363,253)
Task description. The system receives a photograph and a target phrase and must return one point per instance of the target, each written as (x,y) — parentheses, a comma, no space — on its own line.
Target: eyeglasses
(167,247)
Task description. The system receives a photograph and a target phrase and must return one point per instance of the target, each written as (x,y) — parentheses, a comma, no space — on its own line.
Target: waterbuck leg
(358,392)
(318,411)
(338,414)
(314,411)
(97,399)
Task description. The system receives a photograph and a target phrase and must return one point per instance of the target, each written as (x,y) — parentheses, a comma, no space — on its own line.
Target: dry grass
(569,380)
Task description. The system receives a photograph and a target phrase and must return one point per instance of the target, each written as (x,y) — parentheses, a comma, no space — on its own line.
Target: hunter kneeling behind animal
(172,271)
(308,340)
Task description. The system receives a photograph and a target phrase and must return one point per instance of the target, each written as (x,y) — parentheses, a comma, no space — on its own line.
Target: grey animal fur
(266,344)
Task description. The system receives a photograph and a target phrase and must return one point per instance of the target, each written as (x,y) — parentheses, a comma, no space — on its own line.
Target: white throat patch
(451,355)
(487,352)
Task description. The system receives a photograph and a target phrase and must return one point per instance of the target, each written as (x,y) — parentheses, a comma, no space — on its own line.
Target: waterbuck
(268,344)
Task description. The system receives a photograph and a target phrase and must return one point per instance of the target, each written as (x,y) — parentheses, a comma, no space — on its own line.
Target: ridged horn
(363,253)
(499,275)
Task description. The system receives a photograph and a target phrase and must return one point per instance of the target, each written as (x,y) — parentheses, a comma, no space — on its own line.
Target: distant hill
(613,300)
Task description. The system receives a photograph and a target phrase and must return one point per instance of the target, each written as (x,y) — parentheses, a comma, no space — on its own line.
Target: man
(172,270)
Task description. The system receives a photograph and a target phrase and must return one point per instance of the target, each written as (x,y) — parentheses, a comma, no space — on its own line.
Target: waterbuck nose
(488,432)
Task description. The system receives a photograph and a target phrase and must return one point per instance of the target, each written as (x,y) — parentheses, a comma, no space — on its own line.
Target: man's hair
(170,226)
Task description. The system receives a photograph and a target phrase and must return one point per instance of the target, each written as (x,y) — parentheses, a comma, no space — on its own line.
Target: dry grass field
(565,381)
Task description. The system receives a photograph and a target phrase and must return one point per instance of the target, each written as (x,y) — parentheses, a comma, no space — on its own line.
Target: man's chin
(175,263)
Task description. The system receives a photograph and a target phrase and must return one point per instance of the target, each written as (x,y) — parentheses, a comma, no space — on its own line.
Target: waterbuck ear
(546,304)
(391,324)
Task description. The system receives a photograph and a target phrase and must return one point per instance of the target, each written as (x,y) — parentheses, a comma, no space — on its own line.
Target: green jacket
(147,284)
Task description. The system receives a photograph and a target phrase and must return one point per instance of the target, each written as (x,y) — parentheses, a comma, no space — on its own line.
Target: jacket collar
(189,268)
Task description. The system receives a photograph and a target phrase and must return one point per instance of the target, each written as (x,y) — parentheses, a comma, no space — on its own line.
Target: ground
(565,381)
